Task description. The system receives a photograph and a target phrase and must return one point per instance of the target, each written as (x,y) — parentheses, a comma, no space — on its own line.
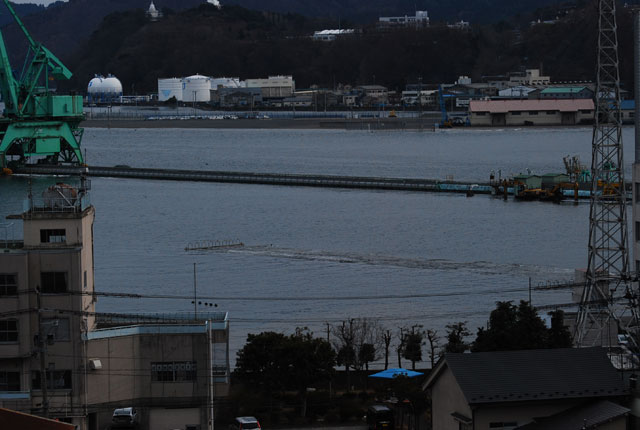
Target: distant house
(331,35)
(530,112)
(510,389)
(373,94)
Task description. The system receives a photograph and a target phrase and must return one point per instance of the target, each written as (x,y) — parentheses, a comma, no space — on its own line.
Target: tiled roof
(504,106)
(585,416)
(508,376)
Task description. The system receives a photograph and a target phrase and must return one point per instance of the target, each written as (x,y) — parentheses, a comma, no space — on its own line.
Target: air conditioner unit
(95,364)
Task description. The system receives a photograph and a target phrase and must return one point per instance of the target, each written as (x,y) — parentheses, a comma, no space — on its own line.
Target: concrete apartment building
(94,363)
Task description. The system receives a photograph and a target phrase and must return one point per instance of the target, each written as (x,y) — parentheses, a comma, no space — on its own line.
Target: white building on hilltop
(153,13)
(421,19)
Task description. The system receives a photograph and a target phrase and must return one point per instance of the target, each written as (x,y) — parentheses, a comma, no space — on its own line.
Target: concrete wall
(169,419)
(447,398)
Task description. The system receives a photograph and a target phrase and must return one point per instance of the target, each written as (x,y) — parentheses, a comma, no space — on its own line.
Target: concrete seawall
(425,124)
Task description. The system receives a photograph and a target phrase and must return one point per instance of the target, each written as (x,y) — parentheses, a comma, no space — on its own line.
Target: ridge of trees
(238,42)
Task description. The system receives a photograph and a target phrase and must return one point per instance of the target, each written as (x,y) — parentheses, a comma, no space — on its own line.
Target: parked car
(245,423)
(379,417)
(124,418)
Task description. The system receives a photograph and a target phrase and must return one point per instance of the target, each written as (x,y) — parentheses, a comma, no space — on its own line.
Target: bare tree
(386,339)
(402,342)
(434,346)
(356,342)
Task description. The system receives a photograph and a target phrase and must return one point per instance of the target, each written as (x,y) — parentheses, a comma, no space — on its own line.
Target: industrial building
(61,359)
(530,112)
(274,87)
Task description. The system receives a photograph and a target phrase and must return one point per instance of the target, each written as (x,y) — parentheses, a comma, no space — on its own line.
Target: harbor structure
(61,359)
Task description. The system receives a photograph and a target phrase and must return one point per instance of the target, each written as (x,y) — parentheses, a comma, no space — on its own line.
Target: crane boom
(37,122)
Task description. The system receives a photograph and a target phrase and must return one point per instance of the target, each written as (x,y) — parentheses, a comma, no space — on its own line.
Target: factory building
(61,359)
(331,35)
(104,90)
(274,86)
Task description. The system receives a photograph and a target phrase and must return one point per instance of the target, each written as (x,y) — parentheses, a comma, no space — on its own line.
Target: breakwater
(307,180)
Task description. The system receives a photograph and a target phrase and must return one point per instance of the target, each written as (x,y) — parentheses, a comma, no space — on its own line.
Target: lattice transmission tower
(608,304)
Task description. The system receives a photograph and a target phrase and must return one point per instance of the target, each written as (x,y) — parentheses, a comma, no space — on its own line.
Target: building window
(533,112)
(515,113)
(53,235)
(8,285)
(9,381)
(58,329)
(53,282)
(173,371)
(56,380)
(9,330)
(481,113)
(551,112)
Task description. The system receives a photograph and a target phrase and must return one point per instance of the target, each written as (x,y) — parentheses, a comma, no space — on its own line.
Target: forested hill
(239,42)
(63,26)
(366,11)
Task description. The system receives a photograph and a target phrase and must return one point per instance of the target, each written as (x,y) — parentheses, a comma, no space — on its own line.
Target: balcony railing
(35,205)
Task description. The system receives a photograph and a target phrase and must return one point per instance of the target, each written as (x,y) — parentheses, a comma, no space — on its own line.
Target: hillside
(64,26)
(238,42)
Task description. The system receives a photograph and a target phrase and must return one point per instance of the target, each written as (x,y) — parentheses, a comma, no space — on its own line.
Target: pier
(328,181)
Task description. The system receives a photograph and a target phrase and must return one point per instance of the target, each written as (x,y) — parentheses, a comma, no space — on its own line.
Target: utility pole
(607,290)
(42,351)
(195,294)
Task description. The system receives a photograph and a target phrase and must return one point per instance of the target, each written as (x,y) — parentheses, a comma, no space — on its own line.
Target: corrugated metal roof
(586,416)
(541,374)
(504,106)
(562,90)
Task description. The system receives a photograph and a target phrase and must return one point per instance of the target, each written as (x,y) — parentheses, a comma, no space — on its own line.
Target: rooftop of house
(542,374)
(584,416)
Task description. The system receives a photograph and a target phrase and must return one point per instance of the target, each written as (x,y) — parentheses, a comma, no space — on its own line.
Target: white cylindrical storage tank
(196,88)
(168,88)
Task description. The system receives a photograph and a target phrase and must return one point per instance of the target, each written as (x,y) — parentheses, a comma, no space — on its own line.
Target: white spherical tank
(103,90)
(196,88)
(168,88)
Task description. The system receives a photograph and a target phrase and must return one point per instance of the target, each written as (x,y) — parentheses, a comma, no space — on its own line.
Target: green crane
(37,125)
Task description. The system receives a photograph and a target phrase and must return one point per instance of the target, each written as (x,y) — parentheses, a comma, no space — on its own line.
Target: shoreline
(417,124)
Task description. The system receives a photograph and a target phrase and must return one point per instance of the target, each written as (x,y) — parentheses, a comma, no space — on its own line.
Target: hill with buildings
(234,41)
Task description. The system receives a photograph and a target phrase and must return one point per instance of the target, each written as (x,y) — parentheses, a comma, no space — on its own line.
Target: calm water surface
(323,247)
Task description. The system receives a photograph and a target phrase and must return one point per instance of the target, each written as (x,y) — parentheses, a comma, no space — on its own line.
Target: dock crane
(37,124)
